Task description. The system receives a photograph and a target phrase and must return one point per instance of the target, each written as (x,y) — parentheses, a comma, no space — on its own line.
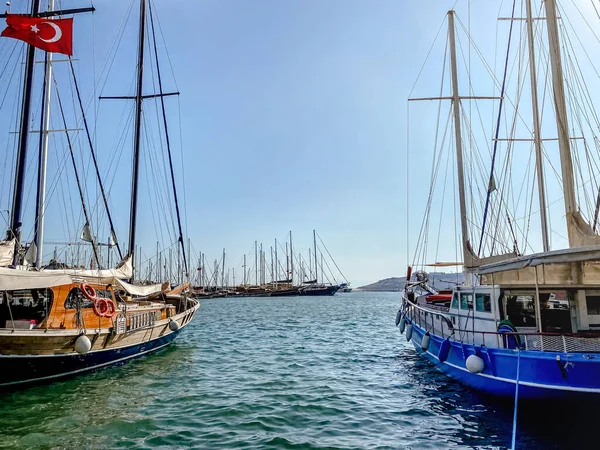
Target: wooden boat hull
(38,356)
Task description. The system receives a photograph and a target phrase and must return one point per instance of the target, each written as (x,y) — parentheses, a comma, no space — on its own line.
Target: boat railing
(557,342)
(430,319)
(433,321)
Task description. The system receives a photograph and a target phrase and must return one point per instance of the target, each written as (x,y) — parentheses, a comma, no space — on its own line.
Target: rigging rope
(336,266)
(162,101)
(487,200)
(94,159)
(83,204)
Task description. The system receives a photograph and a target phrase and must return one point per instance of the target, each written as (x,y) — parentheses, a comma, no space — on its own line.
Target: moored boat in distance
(344,287)
(301,276)
(522,318)
(317,289)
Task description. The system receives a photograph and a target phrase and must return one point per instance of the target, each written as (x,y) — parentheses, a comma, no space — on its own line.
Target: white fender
(475,364)
(173,325)
(398,316)
(83,344)
(425,342)
(409,331)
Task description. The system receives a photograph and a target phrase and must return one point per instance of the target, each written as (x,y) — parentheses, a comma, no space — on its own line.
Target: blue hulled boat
(520,317)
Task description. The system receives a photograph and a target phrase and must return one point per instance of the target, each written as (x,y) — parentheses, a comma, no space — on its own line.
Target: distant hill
(437,280)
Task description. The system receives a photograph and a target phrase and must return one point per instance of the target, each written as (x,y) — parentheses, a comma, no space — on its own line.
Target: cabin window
(76,297)
(593,304)
(483,303)
(466,301)
(29,306)
(454,301)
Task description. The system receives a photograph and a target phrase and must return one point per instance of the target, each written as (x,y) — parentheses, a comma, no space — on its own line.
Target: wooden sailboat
(523,320)
(57,323)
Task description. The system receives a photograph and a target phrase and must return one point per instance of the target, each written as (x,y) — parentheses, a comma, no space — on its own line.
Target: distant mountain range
(437,280)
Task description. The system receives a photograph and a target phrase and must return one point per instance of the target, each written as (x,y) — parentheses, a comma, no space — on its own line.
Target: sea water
(282,373)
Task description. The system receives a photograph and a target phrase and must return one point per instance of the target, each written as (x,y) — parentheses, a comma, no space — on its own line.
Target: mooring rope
(514,430)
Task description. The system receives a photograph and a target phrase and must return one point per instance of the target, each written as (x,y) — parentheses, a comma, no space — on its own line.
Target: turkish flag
(51,35)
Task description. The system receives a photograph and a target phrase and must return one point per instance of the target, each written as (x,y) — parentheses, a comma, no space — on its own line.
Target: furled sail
(472,261)
(581,233)
(7,252)
(123,271)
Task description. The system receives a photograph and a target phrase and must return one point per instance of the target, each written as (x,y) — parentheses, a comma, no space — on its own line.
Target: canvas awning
(12,279)
(565,256)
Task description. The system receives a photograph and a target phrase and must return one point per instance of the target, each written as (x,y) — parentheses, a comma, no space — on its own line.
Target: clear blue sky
(293,117)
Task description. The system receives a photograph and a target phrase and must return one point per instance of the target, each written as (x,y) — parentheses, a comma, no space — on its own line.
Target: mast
(287,262)
(276,263)
(256,262)
(272,273)
(15,221)
(315,252)
(223,271)
(216,274)
(458,137)
(200,270)
(43,158)
(291,260)
(262,265)
(562,123)
(537,138)
(244,270)
(138,129)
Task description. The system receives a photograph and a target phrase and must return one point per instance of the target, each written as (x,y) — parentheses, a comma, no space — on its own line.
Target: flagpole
(15,222)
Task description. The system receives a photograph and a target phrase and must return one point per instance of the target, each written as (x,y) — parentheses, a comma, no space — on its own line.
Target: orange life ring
(100,307)
(104,307)
(111,308)
(88,291)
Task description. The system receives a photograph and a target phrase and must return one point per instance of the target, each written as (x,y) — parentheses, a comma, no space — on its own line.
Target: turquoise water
(281,373)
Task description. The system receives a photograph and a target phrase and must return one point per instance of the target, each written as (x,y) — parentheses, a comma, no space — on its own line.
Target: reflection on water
(282,373)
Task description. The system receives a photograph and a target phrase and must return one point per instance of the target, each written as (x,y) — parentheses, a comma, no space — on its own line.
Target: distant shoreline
(437,280)
(376,290)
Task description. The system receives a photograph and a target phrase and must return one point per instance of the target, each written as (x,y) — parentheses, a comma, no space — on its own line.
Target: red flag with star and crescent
(51,35)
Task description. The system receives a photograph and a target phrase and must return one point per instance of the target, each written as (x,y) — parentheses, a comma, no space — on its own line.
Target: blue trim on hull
(19,370)
(541,374)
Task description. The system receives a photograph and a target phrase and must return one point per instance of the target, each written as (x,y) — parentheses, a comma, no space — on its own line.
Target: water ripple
(293,373)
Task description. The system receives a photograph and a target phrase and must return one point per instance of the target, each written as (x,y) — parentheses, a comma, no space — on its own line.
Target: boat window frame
(487,306)
(520,293)
(454,301)
(464,304)
(38,297)
(593,294)
(106,293)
